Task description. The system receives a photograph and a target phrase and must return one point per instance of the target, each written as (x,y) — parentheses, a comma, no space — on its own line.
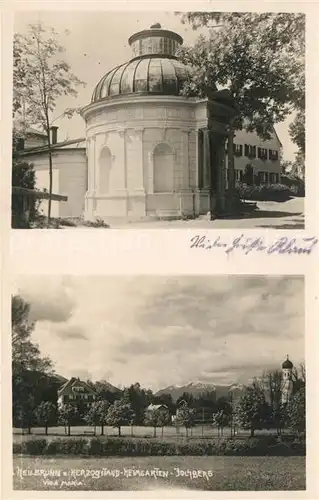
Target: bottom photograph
(158,383)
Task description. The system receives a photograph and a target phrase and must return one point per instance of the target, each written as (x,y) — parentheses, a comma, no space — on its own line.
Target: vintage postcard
(158,119)
(193,383)
(172,363)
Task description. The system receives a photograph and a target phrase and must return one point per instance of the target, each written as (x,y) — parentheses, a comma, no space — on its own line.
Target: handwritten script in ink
(282,245)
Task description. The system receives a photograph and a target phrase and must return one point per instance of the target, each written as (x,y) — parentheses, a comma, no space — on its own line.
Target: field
(218,473)
(168,432)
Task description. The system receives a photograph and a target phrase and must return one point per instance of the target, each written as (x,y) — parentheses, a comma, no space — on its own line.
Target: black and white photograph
(158,120)
(158,383)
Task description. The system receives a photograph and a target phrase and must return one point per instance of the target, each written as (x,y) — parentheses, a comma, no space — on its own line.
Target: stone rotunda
(151,151)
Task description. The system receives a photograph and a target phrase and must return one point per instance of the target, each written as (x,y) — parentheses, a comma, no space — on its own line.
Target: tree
(97,415)
(102,388)
(139,399)
(251,411)
(67,416)
(23,411)
(185,417)
(259,58)
(40,78)
(46,414)
(120,413)
(271,383)
(296,411)
(157,418)
(25,354)
(31,372)
(297,131)
(221,419)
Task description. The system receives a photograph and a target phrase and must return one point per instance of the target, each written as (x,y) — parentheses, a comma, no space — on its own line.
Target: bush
(97,223)
(257,446)
(73,446)
(266,192)
(296,185)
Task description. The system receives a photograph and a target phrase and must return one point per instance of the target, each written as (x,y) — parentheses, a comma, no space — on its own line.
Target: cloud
(168,330)
(50,298)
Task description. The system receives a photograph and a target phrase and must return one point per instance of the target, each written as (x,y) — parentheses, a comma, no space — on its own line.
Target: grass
(138,431)
(226,473)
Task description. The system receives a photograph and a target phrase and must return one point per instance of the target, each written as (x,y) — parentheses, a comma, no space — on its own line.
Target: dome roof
(154,69)
(287,363)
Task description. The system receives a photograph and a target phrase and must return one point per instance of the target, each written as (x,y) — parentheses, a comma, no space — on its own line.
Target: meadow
(206,431)
(222,473)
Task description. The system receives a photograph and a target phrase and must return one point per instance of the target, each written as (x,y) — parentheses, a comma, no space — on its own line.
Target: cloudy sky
(161,331)
(97,42)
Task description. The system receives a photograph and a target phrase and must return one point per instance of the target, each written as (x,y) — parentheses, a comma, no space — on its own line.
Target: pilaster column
(185,161)
(206,158)
(139,167)
(150,173)
(119,162)
(93,165)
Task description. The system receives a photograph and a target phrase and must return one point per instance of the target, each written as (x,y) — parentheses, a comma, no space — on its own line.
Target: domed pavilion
(151,151)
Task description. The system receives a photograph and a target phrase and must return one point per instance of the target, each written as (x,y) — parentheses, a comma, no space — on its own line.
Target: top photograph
(158,120)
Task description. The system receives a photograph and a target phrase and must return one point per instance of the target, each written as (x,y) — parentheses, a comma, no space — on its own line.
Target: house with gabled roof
(76,391)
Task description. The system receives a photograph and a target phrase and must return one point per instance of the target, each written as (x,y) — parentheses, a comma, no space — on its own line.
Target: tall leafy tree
(40,78)
(296,411)
(46,414)
(97,415)
(25,353)
(221,419)
(30,370)
(120,413)
(68,415)
(258,58)
(251,411)
(185,417)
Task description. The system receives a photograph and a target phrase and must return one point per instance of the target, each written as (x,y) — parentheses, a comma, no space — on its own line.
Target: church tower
(287,384)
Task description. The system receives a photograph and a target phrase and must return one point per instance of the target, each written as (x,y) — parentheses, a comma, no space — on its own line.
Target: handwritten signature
(282,245)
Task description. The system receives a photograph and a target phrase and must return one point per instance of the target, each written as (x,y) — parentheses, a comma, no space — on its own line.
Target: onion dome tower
(287,384)
(154,68)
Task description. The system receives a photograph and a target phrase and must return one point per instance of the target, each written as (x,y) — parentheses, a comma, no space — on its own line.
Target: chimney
(54,134)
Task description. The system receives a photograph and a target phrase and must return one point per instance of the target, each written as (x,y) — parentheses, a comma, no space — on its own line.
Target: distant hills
(195,388)
(198,388)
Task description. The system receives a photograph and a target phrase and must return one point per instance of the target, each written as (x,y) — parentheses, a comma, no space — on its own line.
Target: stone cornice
(123,101)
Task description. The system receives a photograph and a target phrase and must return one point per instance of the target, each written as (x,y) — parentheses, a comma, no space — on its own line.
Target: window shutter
(241,150)
(246,150)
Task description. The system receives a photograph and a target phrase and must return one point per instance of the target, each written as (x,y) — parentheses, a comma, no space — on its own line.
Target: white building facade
(149,151)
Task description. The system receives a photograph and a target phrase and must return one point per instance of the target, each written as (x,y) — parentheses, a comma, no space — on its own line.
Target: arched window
(105,164)
(163,157)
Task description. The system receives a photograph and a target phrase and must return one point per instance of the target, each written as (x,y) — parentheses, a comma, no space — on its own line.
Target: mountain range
(199,388)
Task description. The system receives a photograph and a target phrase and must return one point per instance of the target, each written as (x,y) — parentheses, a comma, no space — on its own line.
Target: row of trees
(251,412)
(35,389)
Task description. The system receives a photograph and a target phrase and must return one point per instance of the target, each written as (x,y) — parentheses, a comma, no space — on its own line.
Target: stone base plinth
(137,205)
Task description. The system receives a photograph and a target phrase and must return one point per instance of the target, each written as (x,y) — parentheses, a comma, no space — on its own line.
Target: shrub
(33,447)
(73,446)
(97,223)
(266,192)
(257,446)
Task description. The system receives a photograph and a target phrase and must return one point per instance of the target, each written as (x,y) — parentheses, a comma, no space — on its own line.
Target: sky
(161,331)
(97,42)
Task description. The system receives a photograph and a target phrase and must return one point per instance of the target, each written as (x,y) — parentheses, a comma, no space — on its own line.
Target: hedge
(265,192)
(262,445)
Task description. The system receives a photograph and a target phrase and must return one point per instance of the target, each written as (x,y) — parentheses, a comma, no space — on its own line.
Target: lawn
(160,473)
(138,431)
